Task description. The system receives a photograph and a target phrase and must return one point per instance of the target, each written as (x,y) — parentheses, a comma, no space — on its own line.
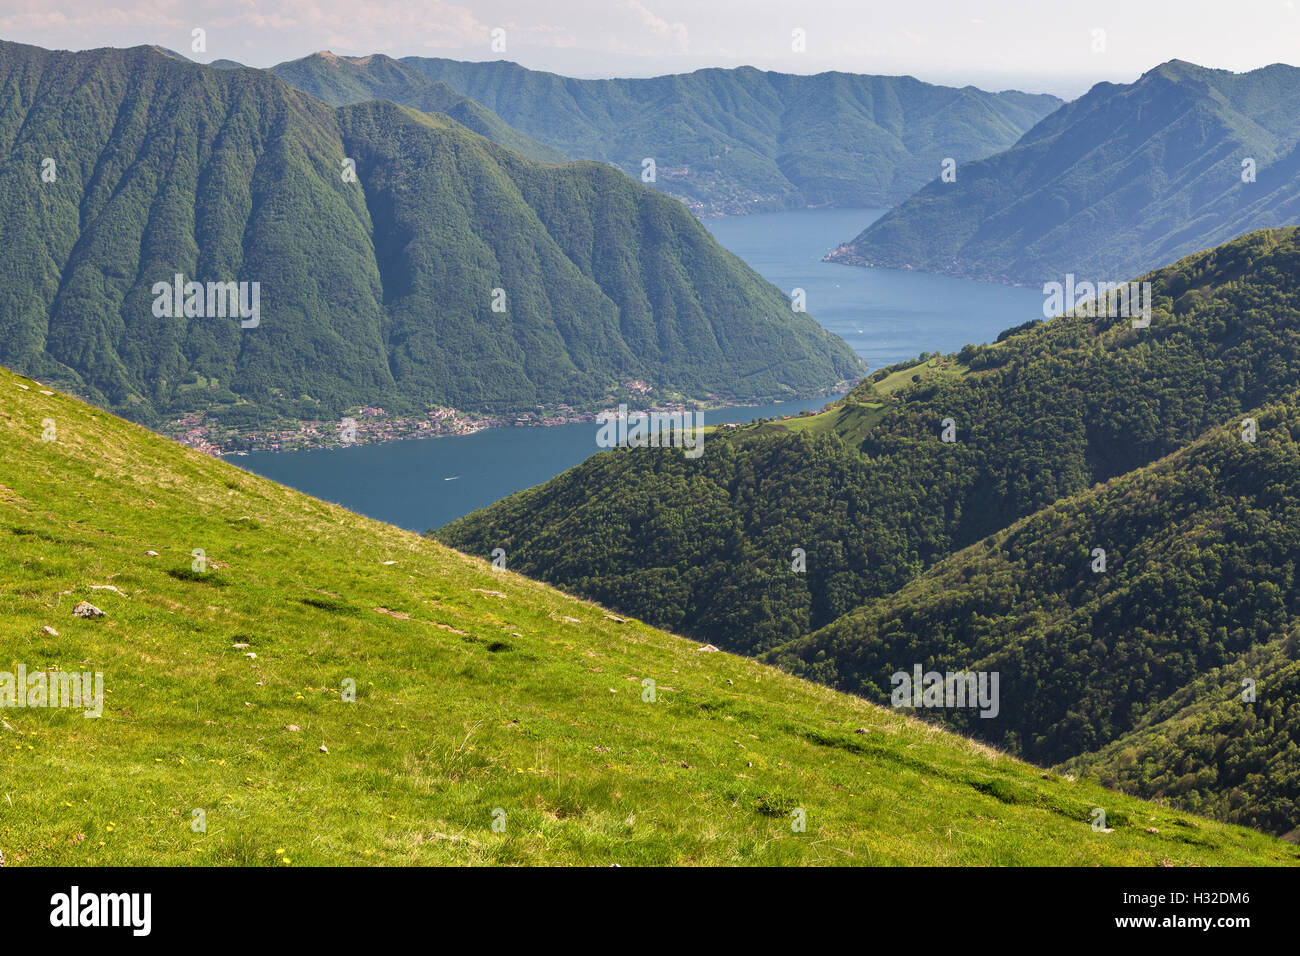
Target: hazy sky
(1034,44)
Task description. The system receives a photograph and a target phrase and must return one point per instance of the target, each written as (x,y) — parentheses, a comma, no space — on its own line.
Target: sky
(1038,45)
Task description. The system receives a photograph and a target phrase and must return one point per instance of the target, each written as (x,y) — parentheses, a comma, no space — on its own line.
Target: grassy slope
(854,415)
(512,696)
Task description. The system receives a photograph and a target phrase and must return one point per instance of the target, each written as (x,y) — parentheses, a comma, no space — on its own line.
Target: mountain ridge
(1160,177)
(744,140)
(1194,578)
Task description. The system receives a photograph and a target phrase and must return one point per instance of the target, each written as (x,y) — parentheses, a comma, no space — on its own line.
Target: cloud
(675,33)
(233,25)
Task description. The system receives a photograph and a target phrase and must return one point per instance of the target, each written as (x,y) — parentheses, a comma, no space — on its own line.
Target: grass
(848,419)
(851,418)
(481,696)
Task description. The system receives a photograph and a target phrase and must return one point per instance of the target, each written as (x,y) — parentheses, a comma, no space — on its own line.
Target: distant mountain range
(401,260)
(1115,183)
(724,141)
(340,81)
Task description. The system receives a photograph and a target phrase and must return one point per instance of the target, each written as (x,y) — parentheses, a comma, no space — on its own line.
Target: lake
(887,316)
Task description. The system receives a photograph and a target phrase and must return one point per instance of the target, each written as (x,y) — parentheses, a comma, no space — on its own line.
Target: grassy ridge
(477,689)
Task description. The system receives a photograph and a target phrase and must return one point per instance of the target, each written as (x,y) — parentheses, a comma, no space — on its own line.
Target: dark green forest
(1210,751)
(704,546)
(1201,551)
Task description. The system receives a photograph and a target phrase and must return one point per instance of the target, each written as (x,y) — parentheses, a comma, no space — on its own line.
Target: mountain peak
(171,53)
(1177,70)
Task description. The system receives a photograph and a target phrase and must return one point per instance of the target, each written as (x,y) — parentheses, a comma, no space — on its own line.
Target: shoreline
(847,255)
(373,426)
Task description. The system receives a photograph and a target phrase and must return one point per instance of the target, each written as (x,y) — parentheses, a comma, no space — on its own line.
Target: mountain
(495,720)
(341,81)
(447,271)
(1111,185)
(1203,750)
(723,141)
(1194,589)
(869,490)
(823,540)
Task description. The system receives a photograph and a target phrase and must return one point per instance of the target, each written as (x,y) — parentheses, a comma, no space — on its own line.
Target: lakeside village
(367,425)
(370,425)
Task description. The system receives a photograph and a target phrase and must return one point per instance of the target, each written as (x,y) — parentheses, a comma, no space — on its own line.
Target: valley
(927,470)
(886,316)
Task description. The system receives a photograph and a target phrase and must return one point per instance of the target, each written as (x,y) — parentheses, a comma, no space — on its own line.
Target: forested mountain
(1103,611)
(340,81)
(871,492)
(1202,546)
(1207,750)
(1115,183)
(724,141)
(446,271)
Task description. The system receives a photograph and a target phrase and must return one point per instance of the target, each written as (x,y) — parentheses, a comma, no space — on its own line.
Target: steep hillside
(727,141)
(446,272)
(481,698)
(1196,575)
(1206,749)
(871,492)
(828,525)
(1111,185)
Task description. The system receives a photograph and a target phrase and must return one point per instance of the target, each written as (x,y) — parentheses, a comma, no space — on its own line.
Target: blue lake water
(887,316)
